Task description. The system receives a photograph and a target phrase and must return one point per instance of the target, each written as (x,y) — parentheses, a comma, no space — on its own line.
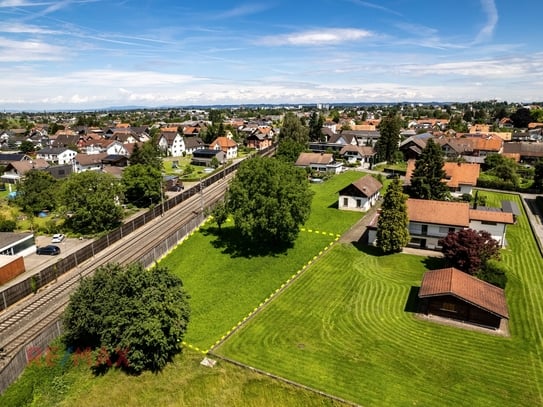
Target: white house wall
(497,231)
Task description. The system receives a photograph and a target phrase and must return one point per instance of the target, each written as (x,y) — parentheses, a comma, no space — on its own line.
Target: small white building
(361,195)
(58,155)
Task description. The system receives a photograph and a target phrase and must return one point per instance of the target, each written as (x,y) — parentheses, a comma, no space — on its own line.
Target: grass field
(182,383)
(343,328)
(226,285)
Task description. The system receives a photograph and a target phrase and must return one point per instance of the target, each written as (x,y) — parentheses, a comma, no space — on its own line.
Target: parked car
(57,238)
(49,250)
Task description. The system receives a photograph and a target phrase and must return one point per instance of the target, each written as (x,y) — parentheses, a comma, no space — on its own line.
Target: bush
(494,273)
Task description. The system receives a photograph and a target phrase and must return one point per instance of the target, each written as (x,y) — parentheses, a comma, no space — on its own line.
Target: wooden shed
(451,293)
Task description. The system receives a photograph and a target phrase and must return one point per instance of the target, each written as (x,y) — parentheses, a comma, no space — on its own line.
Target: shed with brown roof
(453,294)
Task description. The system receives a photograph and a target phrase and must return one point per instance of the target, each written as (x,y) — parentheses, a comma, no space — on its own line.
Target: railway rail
(25,320)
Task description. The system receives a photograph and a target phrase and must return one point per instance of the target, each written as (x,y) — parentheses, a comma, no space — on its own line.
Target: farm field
(343,328)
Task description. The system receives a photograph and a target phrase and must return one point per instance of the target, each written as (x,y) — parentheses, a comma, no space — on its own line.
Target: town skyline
(78,55)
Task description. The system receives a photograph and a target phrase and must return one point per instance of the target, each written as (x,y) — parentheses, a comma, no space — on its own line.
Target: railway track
(22,322)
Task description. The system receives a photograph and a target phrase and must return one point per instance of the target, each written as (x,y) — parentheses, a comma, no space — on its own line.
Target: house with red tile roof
(360,195)
(430,221)
(227,145)
(319,162)
(453,294)
(460,177)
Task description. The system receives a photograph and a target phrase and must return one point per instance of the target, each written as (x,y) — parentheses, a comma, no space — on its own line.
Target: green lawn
(182,383)
(343,328)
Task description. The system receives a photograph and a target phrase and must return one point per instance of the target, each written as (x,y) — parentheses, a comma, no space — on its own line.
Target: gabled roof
(438,212)
(306,159)
(90,159)
(193,142)
(365,186)
(224,142)
(457,173)
(336,138)
(54,150)
(364,151)
(451,281)
(491,216)
(22,167)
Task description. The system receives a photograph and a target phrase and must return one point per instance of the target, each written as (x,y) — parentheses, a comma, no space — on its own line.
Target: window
(345,201)
(448,306)
(486,222)
(359,203)
(424,230)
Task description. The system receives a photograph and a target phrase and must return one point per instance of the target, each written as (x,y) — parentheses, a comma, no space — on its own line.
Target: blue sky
(81,54)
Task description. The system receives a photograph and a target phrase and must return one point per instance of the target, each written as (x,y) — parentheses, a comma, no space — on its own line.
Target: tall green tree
(270,200)
(293,138)
(37,192)
(538,176)
(147,154)
(94,201)
(522,117)
(142,185)
(504,168)
(131,317)
(389,138)
(315,127)
(392,227)
(426,181)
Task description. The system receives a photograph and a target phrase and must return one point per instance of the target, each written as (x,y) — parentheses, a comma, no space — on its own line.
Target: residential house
(364,156)
(320,162)
(360,195)
(430,221)
(60,155)
(226,144)
(260,138)
(460,177)
(451,293)
(7,158)
(206,156)
(193,143)
(89,162)
(114,147)
(16,170)
(172,143)
(523,152)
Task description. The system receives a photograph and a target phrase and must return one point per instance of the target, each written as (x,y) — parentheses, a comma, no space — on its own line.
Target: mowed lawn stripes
(342,328)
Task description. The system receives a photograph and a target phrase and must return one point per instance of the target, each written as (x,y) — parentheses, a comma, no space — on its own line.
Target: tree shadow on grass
(412,303)
(231,242)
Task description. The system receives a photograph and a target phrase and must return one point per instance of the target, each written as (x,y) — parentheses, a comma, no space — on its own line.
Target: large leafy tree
(392,227)
(504,168)
(147,154)
(94,201)
(142,185)
(521,117)
(293,138)
(37,191)
(389,137)
(132,317)
(470,250)
(426,181)
(270,200)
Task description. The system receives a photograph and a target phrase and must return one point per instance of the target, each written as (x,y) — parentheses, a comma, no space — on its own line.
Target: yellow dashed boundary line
(276,292)
(270,297)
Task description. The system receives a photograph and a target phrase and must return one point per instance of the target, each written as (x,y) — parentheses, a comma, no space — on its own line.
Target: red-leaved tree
(469,250)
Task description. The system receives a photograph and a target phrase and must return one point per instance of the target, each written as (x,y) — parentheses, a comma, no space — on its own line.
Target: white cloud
(489,7)
(326,36)
(31,50)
